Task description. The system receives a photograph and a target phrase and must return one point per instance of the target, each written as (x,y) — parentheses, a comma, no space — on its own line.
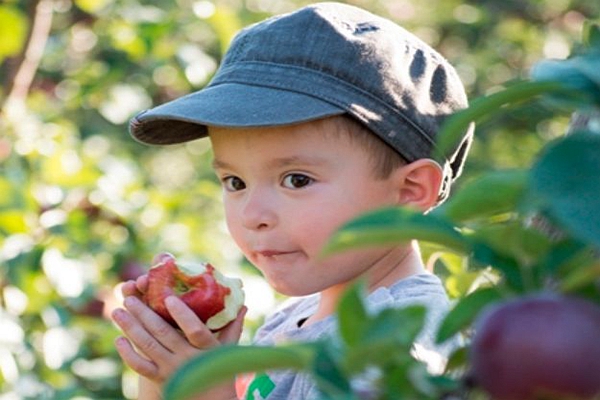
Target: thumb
(232,332)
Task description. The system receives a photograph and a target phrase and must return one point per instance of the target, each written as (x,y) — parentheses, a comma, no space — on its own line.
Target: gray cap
(323,60)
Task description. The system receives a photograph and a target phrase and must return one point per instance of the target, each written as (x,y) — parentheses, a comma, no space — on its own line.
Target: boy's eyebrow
(278,162)
(216,164)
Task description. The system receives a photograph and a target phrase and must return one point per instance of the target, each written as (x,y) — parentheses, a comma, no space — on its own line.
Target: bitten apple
(538,347)
(214,298)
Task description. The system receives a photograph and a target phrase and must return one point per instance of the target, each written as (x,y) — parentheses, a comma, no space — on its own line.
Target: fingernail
(117,314)
(129,301)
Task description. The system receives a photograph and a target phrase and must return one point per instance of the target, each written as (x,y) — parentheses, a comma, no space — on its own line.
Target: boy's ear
(419,184)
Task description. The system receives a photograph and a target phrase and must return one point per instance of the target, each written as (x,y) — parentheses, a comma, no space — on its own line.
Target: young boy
(315,117)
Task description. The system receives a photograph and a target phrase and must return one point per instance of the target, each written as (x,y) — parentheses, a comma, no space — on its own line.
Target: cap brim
(226,105)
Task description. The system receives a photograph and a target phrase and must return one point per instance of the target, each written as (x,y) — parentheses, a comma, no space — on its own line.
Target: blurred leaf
(352,315)
(591,34)
(457,360)
(454,128)
(509,267)
(474,200)
(511,239)
(222,363)
(459,284)
(389,335)
(580,278)
(92,6)
(327,373)
(13,221)
(565,184)
(465,311)
(393,225)
(13,31)
(66,168)
(579,73)
(226,24)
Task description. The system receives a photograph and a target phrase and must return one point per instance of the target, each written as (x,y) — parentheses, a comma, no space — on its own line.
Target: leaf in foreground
(223,363)
(395,225)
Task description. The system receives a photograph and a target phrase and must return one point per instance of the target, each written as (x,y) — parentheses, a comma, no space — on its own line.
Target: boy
(315,117)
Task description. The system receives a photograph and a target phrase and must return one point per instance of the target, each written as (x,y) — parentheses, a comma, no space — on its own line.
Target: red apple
(538,347)
(214,298)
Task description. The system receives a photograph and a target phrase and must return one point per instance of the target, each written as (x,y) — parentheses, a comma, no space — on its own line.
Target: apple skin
(207,293)
(544,346)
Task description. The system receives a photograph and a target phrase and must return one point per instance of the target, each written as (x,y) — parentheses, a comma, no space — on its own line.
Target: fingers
(149,332)
(232,332)
(193,328)
(142,283)
(135,361)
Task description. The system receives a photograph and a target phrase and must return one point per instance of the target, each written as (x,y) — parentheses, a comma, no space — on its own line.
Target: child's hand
(153,348)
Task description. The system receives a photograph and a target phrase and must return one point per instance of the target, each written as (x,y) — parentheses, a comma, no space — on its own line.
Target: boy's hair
(384,159)
(324,60)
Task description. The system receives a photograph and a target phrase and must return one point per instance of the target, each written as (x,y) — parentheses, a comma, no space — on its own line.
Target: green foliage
(13,30)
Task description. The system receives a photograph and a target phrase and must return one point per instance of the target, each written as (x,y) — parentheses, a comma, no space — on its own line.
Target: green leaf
(465,311)
(579,73)
(475,200)
(591,34)
(455,127)
(13,221)
(327,373)
(389,336)
(508,266)
(565,184)
(393,225)
(352,315)
(218,365)
(457,360)
(92,6)
(581,277)
(226,24)
(511,239)
(404,323)
(13,31)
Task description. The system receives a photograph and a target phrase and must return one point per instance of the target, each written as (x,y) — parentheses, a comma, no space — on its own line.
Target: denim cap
(323,60)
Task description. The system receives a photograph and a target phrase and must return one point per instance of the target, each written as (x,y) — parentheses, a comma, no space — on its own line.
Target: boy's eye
(296,181)
(233,184)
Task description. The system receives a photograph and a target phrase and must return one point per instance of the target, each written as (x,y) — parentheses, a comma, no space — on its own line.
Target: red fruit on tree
(214,298)
(538,347)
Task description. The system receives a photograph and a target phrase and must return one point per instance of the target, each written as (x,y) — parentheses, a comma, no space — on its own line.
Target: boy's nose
(259,211)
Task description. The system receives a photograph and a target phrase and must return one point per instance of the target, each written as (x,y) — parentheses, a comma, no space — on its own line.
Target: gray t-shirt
(285,326)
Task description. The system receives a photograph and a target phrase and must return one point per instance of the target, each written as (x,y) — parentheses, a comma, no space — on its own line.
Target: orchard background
(83,206)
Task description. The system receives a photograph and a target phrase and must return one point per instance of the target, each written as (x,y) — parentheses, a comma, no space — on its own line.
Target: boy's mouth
(271,253)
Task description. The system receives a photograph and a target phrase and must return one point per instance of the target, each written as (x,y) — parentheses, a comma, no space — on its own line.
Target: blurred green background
(83,206)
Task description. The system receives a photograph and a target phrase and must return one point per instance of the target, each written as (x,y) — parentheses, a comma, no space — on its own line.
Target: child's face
(286,190)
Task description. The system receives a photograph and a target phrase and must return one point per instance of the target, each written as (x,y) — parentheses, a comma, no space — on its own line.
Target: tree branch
(38,36)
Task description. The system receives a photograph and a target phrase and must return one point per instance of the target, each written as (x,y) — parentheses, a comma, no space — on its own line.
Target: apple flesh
(538,347)
(213,297)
